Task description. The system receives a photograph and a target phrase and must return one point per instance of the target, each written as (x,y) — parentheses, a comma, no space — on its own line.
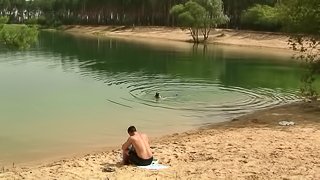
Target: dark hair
(132,129)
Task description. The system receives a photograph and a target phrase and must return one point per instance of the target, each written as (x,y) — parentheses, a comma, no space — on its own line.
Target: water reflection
(106,57)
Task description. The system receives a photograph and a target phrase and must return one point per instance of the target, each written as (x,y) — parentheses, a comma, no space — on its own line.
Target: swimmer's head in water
(157,95)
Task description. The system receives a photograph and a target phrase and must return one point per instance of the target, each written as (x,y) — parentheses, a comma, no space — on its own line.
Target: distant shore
(253,146)
(218,36)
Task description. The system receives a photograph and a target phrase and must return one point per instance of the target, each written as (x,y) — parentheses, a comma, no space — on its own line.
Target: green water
(75,94)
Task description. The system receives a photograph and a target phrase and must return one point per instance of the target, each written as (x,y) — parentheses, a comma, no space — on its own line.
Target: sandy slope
(250,147)
(220,36)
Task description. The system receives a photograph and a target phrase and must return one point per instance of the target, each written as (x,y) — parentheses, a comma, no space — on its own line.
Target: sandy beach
(253,146)
(217,36)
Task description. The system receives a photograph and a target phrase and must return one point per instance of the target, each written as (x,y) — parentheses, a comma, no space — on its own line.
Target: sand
(217,36)
(253,146)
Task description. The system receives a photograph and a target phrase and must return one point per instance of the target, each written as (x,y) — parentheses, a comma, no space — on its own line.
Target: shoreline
(241,38)
(250,146)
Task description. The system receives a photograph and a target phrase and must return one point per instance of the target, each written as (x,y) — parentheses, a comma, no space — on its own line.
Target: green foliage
(261,17)
(301,16)
(200,16)
(42,21)
(215,13)
(4,19)
(234,9)
(31,21)
(18,36)
(49,22)
(190,14)
(307,49)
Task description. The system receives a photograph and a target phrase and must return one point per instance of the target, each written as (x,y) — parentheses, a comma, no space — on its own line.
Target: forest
(245,14)
(139,12)
(199,16)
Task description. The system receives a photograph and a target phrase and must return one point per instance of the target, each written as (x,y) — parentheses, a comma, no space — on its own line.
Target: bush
(18,36)
(261,17)
(42,21)
(49,22)
(4,19)
(298,16)
(32,21)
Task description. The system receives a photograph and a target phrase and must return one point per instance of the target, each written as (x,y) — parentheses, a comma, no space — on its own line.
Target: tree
(199,17)
(190,15)
(261,17)
(214,16)
(235,8)
(302,17)
(307,49)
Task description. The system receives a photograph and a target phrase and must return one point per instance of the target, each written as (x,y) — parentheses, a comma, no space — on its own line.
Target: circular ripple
(205,97)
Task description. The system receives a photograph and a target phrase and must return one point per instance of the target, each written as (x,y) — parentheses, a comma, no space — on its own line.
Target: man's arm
(126,145)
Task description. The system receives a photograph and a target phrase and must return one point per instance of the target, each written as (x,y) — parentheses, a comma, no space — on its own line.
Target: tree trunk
(192,32)
(206,33)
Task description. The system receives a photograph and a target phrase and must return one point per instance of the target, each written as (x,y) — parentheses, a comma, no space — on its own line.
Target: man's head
(131,130)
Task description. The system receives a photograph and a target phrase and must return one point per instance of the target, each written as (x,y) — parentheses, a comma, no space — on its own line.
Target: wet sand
(253,146)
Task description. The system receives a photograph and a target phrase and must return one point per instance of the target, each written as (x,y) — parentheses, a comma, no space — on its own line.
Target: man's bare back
(142,154)
(141,145)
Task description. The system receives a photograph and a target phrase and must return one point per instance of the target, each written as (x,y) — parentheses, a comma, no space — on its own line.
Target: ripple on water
(202,96)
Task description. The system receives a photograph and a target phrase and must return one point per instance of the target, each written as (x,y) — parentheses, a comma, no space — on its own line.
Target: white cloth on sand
(154,166)
(286,123)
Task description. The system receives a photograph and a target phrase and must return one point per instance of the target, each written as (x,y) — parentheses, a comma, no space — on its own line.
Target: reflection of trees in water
(203,48)
(253,74)
(106,57)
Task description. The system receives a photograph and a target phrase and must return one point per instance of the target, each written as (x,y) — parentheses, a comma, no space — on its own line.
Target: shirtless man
(136,149)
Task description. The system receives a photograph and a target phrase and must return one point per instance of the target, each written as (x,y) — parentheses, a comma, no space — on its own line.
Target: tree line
(111,12)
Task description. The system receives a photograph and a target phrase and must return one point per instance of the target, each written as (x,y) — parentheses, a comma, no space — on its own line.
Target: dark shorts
(136,160)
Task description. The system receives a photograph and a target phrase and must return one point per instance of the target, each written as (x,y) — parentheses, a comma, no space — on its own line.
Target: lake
(72,94)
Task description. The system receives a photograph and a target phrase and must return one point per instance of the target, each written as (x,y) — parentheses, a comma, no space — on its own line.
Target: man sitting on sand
(136,149)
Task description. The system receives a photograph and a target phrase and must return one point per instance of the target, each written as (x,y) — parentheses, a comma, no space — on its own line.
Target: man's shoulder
(143,135)
(139,135)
